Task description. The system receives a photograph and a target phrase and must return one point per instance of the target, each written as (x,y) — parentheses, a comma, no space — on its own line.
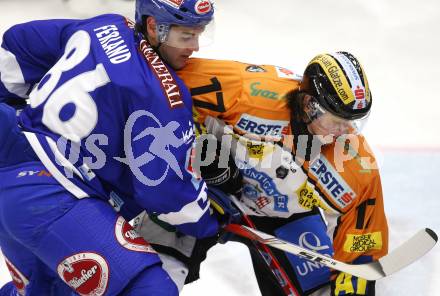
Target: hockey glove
(347,284)
(225,211)
(223,206)
(225,177)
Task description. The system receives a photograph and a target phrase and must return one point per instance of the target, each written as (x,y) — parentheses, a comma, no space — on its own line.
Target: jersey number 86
(74,92)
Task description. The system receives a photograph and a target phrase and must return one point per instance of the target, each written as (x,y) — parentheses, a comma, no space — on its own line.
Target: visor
(187,37)
(326,123)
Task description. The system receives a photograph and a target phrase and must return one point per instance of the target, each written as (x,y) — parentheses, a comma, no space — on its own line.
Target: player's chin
(180,62)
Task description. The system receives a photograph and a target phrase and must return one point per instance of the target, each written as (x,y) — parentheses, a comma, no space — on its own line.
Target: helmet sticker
(173,3)
(349,68)
(357,86)
(86,273)
(359,104)
(367,87)
(336,76)
(359,93)
(203,6)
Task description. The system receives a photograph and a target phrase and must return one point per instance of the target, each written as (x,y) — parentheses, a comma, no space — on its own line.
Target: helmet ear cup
(313,111)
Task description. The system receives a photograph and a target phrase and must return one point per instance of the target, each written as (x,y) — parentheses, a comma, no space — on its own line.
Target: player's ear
(150,25)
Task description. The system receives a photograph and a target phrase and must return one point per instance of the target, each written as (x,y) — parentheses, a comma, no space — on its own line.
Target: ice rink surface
(399,44)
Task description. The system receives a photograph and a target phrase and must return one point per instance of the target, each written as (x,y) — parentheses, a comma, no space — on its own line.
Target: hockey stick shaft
(407,253)
(278,272)
(268,257)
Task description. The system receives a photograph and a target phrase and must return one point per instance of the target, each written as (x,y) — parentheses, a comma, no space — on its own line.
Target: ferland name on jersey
(113,44)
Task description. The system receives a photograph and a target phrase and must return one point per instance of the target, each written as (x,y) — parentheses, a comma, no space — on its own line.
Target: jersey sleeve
(27,52)
(361,235)
(362,230)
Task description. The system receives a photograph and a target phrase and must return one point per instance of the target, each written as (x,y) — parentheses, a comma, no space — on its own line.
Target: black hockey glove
(224,176)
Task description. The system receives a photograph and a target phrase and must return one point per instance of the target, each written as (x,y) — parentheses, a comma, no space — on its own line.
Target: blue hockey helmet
(195,14)
(189,13)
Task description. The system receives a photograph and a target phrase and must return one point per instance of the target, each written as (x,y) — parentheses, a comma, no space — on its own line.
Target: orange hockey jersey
(343,179)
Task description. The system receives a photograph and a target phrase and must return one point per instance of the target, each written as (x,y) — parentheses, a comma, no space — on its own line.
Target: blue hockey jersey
(106,116)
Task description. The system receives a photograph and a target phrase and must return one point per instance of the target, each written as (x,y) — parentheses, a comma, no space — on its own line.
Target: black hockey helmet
(339,84)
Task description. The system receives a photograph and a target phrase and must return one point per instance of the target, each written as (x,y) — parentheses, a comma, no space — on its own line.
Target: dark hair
(140,27)
(295,102)
(298,121)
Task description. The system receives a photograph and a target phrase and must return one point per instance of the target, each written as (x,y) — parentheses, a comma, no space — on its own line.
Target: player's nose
(194,46)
